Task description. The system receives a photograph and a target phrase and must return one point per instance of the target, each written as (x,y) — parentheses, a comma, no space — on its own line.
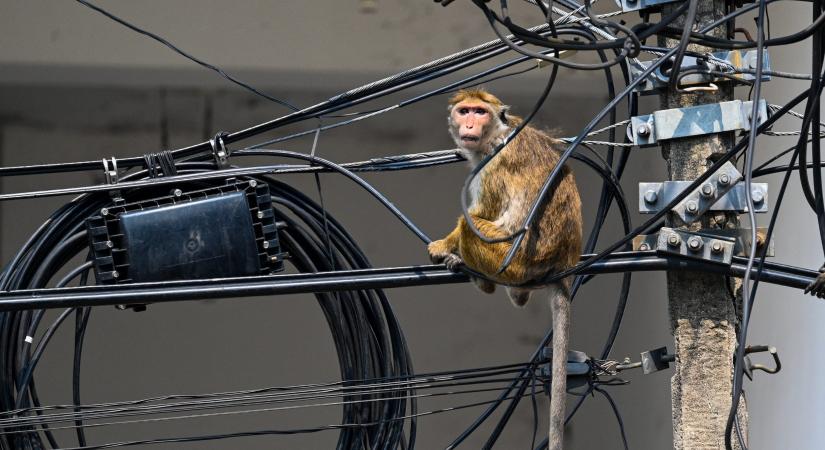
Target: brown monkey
(501,196)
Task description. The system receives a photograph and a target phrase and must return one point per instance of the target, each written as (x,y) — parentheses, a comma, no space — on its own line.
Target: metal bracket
(636,5)
(695,245)
(718,193)
(656,360)
(741,237)
(219,150)
(740,59)
(694,121)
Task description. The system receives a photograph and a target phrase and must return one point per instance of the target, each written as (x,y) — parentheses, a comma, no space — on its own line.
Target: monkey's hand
(817,287)
(441,253)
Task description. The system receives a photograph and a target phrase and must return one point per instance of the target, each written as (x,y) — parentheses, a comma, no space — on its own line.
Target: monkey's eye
(463,111)
(481,111)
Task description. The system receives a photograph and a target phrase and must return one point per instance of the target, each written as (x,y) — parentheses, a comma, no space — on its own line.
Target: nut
(651,196)
(716,247)
(673,240)
(253,183)
(724,179)
(707,190)
(692,207)
(643,130)
(695,243)
(644,247)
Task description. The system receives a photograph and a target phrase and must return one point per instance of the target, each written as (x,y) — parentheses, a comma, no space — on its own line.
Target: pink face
(473,119)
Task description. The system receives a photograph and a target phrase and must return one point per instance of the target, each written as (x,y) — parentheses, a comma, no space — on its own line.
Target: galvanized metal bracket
(720,192)
(656,360)
(636,5)
(738,59)
(741,237)
(699,120)
(708,197)
(693,245)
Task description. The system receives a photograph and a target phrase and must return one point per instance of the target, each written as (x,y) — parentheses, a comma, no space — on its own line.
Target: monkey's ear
(503,113)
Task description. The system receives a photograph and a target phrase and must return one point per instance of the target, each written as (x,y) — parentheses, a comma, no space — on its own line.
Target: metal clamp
(695,245)
(656,360)
(741,237)
(636,5)
(694,121)
(654,196)
(110,171)
(579,371)
(738,59)
(219,150)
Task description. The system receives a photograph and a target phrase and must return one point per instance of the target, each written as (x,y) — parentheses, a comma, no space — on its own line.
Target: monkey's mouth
(468,139)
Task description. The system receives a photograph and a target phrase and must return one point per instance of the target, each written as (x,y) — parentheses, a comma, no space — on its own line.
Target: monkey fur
(501,197)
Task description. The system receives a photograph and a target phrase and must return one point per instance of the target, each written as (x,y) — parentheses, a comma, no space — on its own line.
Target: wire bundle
(367,337)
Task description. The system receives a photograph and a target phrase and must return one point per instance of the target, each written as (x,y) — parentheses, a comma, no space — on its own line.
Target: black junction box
(226,231)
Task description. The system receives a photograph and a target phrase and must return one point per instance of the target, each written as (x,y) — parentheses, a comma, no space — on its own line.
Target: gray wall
(74,86)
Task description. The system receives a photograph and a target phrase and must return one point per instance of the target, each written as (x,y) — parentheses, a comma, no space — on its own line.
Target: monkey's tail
(560,307)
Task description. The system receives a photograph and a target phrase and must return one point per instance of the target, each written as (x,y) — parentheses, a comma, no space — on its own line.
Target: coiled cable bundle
(368,339)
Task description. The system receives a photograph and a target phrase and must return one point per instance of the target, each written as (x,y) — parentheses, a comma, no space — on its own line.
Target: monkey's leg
(560,306)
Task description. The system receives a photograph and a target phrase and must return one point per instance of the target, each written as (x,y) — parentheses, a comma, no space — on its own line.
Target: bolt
(692,207)
(253,183)
(644,247)
(651,196)
(673,240)
(110,244)
(694,243)
(757,196)
(115,273)
(643,130)
(707,190)
(177,192)
(104,211)
(716,247)
(266,244)
(260,214)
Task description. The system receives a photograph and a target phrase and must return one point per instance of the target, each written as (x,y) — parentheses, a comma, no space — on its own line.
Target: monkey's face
(471,124)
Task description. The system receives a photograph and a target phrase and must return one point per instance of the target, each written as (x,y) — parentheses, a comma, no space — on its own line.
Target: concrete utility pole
(703,317)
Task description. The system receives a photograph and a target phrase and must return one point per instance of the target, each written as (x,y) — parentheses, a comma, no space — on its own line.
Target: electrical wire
(186,55)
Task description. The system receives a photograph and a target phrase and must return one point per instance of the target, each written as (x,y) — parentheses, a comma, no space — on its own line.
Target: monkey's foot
(439,251)
(453,262)
(486,286)
(817,287)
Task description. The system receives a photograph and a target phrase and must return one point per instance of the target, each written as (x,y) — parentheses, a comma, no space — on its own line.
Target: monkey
(501,196)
